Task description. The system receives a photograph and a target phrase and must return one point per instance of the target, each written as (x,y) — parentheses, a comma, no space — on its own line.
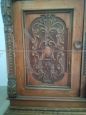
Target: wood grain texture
(83,76)
(45,111)
(77,26)
(49,102)
(16,29)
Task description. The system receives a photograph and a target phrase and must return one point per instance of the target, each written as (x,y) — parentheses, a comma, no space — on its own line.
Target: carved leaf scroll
(47,48)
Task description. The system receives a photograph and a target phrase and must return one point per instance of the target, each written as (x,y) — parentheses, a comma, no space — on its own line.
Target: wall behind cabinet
(3,63)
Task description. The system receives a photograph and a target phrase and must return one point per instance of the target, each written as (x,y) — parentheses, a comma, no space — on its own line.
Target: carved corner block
(12,88)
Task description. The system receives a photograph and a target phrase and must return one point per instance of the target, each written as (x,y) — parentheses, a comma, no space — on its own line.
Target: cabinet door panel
(47,58)
(46,49)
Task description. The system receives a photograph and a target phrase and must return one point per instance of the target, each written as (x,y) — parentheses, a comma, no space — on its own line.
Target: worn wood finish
(76,34)
(13,112)
(46,111)
(50,103)
(34,93)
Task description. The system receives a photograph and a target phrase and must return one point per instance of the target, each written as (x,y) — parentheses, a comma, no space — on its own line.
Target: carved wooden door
(48,38)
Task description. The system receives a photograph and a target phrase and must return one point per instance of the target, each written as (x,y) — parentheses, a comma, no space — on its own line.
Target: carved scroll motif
(6,6)
(47,46)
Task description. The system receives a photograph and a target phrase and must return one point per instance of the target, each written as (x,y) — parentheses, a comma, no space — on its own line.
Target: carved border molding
(6,7)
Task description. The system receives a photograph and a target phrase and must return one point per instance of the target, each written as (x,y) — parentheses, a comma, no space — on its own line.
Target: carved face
(47,51)
(48,36)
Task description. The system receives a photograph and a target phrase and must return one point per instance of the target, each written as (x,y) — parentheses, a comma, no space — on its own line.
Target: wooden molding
(6,7)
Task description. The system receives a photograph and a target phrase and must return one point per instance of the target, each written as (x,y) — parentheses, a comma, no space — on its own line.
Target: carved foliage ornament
(12,87)
(6,6)
(47,46)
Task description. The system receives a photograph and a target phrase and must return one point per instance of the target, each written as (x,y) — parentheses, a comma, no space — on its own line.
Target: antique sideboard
(46,58)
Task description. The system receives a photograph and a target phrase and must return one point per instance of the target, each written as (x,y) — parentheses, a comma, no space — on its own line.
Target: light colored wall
(3,63)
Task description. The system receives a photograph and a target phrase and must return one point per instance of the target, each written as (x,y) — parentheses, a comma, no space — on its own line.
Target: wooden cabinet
(46,62)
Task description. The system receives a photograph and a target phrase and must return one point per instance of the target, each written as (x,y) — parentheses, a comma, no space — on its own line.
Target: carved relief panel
(47,44)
